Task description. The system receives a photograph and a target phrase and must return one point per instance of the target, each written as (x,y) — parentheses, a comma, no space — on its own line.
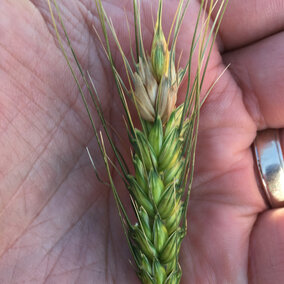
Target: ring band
(269,159)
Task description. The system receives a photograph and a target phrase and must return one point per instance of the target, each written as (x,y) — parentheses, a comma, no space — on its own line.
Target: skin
(58,223)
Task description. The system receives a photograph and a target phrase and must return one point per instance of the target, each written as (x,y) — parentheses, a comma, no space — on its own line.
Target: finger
(248,21)
(226,188)
(232,112)
(267,248)
(259,71)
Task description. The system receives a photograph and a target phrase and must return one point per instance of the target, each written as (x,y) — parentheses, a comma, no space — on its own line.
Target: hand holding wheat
(44,241)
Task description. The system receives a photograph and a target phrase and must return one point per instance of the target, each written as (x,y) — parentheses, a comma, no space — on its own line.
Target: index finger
(247,21)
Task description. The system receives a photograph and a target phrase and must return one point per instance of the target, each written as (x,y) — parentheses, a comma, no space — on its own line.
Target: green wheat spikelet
(157,192)
(163,145)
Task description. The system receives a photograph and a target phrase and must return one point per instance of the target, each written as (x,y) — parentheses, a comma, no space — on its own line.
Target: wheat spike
(164,144)
(157,187)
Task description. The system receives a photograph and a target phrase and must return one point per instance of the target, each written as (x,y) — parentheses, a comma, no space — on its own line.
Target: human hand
(59,224)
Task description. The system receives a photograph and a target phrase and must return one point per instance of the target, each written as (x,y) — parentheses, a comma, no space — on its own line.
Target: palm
(60,225)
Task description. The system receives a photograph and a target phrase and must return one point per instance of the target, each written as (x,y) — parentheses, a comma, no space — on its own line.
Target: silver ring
(269,159)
